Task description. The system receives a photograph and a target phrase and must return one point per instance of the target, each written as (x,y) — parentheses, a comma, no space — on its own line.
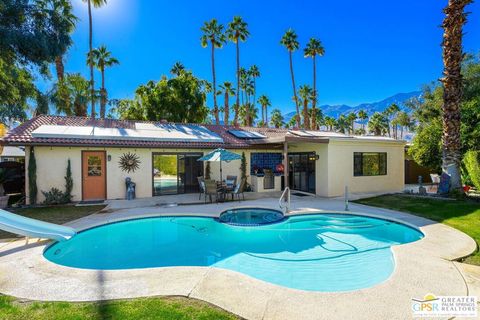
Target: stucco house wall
(340,167)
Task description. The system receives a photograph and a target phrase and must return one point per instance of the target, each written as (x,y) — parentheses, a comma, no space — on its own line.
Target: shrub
(472,164)
(54,196)
(32,177)
(68,183)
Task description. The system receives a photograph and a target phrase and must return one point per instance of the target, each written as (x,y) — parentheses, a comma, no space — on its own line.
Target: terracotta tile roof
(22,135)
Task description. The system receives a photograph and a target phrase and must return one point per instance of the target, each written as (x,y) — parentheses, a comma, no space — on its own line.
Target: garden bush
(472,164)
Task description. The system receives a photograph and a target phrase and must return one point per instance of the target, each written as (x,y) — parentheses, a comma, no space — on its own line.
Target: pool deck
(422,267)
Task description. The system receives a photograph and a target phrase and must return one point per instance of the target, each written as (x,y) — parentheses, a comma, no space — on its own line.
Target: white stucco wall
(340,167)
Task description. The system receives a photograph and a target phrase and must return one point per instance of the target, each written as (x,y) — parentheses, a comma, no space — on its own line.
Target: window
(94,166)
(369,163)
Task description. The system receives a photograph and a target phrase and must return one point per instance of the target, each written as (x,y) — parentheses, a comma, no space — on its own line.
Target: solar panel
(145,132)
(241,134)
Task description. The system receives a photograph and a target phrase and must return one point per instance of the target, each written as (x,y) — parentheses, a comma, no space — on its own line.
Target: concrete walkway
(422,267)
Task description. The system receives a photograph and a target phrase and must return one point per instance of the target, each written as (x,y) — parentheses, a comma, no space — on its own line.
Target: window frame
(361,165)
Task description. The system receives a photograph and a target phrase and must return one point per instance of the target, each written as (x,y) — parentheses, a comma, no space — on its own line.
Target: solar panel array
(241,134)
(142,131)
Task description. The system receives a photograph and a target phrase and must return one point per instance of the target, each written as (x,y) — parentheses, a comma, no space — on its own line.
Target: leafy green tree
(96,4)
(306,94)
(264,101)
(227,90)
(213,35)
(378,124)
(426,147)
(313,49)
(290,42)
(276,119)
(101,58)
(237,31)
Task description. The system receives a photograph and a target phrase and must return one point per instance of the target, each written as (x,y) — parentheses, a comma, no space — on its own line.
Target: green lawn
(460,214)
(54,214)
(144,308)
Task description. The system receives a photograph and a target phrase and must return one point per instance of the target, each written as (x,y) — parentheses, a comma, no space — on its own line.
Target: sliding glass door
(302,171)
(176,173)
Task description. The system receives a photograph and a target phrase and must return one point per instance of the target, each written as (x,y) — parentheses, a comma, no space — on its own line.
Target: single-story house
(161,158)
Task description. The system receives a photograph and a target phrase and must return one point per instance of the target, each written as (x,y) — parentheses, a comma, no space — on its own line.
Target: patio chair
(230,182)
(201,185)
(239,189)
(211,189)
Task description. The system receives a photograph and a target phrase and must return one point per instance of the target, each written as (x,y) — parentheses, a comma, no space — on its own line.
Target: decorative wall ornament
(129,162)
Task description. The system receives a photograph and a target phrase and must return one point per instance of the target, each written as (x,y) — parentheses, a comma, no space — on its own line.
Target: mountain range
(372,107)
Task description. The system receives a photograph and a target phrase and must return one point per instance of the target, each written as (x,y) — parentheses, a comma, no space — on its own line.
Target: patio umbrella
(219,155)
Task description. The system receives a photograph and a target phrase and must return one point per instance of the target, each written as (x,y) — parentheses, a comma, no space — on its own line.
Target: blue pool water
(321,252)
(250,216)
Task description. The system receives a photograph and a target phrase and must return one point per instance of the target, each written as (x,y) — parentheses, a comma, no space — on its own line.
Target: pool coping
(421,267)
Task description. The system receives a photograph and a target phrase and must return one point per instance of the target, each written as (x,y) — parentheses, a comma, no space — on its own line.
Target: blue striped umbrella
(219,155)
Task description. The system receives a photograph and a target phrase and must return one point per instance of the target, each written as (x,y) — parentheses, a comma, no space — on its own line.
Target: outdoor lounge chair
(239,189)
(201,185)
(211,189)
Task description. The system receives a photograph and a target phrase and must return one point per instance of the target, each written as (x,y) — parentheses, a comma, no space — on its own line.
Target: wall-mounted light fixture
(109,157)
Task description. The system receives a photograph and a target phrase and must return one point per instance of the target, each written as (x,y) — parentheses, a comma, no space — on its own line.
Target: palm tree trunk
(103,101)
(266,116)
(314,100)
(452,94)
(237,102)
(90,43)
(294,89)
(263,115)
(215,107)
(305,114)
(60,68)
(227,110)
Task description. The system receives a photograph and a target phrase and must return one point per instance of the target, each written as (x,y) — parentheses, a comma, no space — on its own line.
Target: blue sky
(374,49)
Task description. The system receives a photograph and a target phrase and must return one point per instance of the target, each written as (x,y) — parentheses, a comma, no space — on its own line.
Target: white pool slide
(17,224)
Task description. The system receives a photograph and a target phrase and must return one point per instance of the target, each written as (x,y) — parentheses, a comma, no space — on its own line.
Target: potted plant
(5,176)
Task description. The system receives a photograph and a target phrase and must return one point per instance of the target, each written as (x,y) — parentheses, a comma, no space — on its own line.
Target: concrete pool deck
(422,267)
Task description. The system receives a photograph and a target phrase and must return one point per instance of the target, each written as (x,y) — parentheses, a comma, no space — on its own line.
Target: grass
(460,214)
(143,308)
(53,214)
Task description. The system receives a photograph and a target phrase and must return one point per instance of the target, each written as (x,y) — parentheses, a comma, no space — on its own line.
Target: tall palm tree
(265,103)
(214,35)
(289,41)
(101,58)
(254,73)
(227,90)
(177,69)
(404,121)
(455,18)
(351,117)
(277,119)
(313,49)
(362,115)
(378,124)
(330,123)
(306,94)
(237,31)
(390,113)
(96,4)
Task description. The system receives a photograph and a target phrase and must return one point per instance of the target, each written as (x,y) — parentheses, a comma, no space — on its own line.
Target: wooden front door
(94,175)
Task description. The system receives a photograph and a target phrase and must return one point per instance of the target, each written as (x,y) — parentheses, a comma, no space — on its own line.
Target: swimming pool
(319,252)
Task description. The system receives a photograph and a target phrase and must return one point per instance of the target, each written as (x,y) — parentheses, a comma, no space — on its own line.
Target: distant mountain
(336,110)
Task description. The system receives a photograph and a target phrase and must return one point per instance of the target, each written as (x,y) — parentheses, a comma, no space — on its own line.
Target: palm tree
(390,113)
(362,115)
(455,18)
(330,123)
(277,119)
(316,119)
(378,124)
(214,35)
(96,4)
(306,94)
(254,73)
(351,117)
(289,40)
(342,124)
(177,69)
(227,90)
(404,121)
(313,49)
(101,58)
(265,103)
(248,118)
(76,87)
(237,31)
